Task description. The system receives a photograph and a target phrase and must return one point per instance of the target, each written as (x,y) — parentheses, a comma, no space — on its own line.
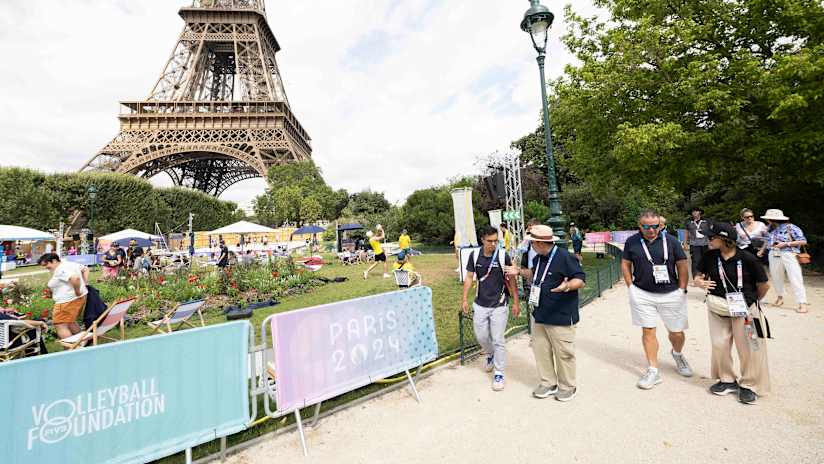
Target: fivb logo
(94,412)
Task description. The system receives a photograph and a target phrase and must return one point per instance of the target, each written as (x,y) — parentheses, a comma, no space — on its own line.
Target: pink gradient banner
(325,351)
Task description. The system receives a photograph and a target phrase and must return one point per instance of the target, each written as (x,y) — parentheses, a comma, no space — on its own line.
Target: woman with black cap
(735,282)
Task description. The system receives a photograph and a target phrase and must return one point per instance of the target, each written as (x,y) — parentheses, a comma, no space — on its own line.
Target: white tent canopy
(243,227)
(129,234)
(14,233)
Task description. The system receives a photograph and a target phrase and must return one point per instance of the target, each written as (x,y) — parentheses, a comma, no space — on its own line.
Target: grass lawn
(21,270)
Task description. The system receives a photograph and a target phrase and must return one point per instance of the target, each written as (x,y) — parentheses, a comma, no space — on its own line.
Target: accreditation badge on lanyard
(535,292)
(736,303)
(659,271)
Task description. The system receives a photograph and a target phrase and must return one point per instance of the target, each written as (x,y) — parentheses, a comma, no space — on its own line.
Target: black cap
(724,230)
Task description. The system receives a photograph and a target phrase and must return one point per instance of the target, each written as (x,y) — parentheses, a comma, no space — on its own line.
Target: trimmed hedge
(41,201)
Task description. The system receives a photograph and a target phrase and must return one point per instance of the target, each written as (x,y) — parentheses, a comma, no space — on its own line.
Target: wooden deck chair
(18,332)
(180,316)
(112,317)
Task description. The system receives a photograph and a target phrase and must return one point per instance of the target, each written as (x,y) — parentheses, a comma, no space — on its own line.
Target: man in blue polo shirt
(655,269)
(554,278)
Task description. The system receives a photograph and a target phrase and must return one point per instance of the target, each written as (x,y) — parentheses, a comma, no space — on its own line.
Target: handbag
(803,257)
(757,242)
(718,305)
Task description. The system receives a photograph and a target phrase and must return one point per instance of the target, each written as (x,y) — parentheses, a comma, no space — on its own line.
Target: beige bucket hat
(775,215)
(541,233)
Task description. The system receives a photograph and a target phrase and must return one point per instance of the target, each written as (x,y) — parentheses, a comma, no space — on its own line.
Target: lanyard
(546,269)
(646,250)
(725,279)
(491,262)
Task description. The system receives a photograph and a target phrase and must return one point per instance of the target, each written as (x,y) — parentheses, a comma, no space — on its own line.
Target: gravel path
(611,421)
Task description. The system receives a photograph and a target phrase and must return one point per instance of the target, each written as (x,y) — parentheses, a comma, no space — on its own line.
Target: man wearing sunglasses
(655,269)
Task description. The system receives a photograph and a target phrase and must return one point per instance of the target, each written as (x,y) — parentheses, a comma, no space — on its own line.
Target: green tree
(367,202)
(297,193)
(682,93)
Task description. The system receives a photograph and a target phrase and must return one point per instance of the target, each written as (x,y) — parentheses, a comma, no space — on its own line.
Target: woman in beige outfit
(735,282)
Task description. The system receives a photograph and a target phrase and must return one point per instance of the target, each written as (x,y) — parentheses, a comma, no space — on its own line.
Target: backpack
(501,263)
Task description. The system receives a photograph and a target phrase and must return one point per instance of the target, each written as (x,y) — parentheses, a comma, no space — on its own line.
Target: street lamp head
(536,22)
(92,191)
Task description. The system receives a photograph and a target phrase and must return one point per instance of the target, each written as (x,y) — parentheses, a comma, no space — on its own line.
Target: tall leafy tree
(682,93)
(298,194)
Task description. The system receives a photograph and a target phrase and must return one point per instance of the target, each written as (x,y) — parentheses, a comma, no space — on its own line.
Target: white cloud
(396,95)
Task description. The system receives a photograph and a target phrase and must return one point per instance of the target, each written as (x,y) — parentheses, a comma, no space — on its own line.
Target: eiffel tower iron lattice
(218,113)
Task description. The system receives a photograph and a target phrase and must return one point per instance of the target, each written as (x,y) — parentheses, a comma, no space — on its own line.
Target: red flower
(28,314)
(44,314)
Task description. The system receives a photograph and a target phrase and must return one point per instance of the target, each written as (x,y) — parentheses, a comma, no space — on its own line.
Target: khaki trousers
(554,349)
(754,372)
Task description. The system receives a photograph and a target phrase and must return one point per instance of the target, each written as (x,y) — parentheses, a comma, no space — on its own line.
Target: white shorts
(647,306)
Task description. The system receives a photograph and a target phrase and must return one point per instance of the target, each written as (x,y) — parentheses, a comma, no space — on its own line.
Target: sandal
(779,301)
(803,308)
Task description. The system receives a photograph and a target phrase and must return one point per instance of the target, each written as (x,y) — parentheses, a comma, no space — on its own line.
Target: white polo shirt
(61,289)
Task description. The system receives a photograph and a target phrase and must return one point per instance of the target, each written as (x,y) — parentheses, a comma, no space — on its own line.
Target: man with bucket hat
(555,278)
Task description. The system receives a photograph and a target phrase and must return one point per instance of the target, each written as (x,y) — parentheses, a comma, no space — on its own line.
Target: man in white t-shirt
(68,290)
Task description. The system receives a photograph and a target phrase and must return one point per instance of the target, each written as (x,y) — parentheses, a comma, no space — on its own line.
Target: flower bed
(158,293)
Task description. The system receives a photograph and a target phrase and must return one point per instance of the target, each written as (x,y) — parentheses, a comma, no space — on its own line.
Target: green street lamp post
(92,191)
(536,23)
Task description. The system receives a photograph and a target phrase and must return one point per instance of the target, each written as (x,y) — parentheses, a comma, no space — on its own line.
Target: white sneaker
(498,382)
(681,364)
(365,275)
(649,379)
(490,365)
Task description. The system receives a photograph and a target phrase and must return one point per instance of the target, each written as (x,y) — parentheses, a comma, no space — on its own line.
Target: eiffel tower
(218,113)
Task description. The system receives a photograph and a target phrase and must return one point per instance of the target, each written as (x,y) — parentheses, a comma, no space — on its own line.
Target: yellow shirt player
(405,266)
(507,244)
(376,246)
(404,241)
(380,256)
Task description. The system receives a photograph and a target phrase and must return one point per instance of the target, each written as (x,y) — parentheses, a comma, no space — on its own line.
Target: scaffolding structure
(514,195)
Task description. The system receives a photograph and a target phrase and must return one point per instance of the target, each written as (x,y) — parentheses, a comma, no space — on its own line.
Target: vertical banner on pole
(464,218)
(495,218)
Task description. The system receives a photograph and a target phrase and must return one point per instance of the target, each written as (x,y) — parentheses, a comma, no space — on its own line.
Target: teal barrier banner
(126,402)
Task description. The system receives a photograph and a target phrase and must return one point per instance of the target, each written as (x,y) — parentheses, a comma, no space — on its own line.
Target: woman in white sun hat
(783,242)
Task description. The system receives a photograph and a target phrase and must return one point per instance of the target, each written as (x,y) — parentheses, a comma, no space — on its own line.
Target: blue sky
(397,95)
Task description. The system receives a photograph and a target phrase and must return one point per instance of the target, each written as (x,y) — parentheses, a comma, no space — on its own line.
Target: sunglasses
(650,226)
